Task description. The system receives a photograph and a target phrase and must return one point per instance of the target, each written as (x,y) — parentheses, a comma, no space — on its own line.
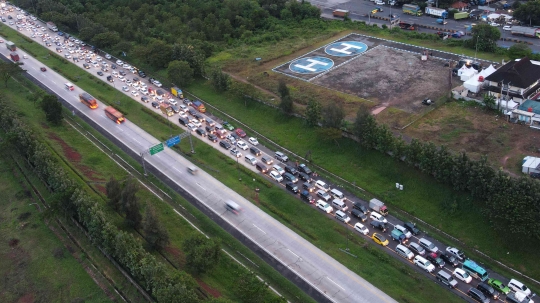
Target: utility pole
(143,165)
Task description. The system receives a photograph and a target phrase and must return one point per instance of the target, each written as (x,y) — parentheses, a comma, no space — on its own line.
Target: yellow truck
(166,109)
(177,92)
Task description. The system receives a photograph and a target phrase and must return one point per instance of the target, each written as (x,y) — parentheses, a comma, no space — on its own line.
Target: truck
(406,25)
(177,92)
(114,115)
(52,26)
(437,12)
(526,31)
(166,109)
(198,106)
(88,100)
(412,9)
(341,13)
(398,236)
(14,56)
(378,206)
(11,46)
(461,15)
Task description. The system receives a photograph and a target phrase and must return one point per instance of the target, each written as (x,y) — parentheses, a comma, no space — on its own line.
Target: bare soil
(212,291)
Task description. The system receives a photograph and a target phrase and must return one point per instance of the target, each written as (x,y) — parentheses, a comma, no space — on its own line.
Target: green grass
(31,269)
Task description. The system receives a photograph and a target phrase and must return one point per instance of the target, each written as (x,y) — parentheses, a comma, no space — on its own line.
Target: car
(324,207)
(449,259)
(212,138)
(456,253)
(145,99)
(171,101)
(192,127)
(456,35)
(240,132)
(477,295)
(322,194)
(405,231)
(276,176)
(379,239)
(488,291)
(125,88)
(235,152)
(303,168)
(359,206)
(507,28)
(517,286)
(281,157)
(378,217)
(201,132)
(197,123)
(423,263)
(176,109)
(358,214)
(255,151)
(107,56)
(494,24)
(43,69)
(306,196)
(135,93)
(291,178)
(155,104)
(462,275)
(518,297)
(193,112)
(228,126)
(378,225)
(157,83)
(86,65)
(242,145)
(231,139)
(498,285)
(359,227)
(290,169)
(412,228)
(435,260)
(119,62)
(428,245)
(253,141)
(304,177)
(416,248)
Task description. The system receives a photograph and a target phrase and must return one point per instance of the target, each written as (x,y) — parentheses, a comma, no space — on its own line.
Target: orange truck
(199,106)
(88,100)
(114,115)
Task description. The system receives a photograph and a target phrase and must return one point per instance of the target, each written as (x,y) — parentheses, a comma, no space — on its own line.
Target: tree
(114,193)
(528,13)
(202,254)
(286,105)
(106,39)
(484,37)
(220,80)
(53,109)
(218,300)
(313,113)
(283,90)
(130,203)
(360,121)
(180,73)
(519,50)
(489,101)
(333,116)
(8,70)
(155,233)
(250,289)
(330,134)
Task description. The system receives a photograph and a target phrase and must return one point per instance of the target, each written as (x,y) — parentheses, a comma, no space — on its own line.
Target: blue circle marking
(345,48)
(311,65)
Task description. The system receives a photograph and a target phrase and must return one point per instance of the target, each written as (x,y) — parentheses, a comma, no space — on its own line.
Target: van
(338,204)
(279,169)
(69,86)
(308,186)
(292,187)
(324,206)
(321,185)
(255,151)
(337,194)
(192,170)
(250,159)
(261,167)
(267,160)
(428,245)
(183,121)
(341,216)
(404,252)
(233,207)
(446,279)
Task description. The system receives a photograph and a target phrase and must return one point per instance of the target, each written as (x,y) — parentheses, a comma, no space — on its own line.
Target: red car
(43,69)
(240,133)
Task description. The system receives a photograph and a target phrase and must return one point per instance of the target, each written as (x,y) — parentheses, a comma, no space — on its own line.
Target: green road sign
(156,149)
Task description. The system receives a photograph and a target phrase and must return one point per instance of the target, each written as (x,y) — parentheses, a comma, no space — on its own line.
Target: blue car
(456,35)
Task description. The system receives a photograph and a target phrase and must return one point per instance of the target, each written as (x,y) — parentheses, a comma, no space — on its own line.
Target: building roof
(520,73)
(530,106)
(459,5)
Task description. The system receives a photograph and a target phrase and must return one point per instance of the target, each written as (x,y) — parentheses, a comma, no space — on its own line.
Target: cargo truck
(198,106)
(114,115)
(14,56)
(166,109)
(52,26)
(436,12)
(177,92)
(88,100)
(11,46)
(406,25)
(341,13)
(378,206)
(461,15)
(412,9)
(398,236)
(526,31)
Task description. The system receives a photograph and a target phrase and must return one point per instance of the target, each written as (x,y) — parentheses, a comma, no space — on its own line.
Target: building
(527,113)
(518,80)
(530,165)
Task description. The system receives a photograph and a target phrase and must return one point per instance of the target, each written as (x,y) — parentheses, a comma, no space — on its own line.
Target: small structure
(460,6)
(527,113)
(530,165)
(518,79)
(476,82)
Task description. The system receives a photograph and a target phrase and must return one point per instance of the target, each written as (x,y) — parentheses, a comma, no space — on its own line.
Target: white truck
(378,206)
(436,12)
(52,26)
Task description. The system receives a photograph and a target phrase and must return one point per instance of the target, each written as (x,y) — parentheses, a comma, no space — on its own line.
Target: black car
(145,99)
(209,129)
(488,291)
(306,196)
(303,168)
(142,74)
(225,144)
(183,121)
(412,228)
(212,138)
(113,66)
(477,295)
(201,132)
(290,169)
(175,109)
(292,187)
(304,177)
(378,225)
(308,186)
(110,79)
(100,73)
(290,178)
(235,136)
(192,112)
(449,259)
(135,79)
(155,104)
(199,117)
(358,214)
(122,73)
(255,151)
(435,260)
(360,207)
(535,175)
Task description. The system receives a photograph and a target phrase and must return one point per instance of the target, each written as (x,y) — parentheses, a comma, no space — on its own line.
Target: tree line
(71,200)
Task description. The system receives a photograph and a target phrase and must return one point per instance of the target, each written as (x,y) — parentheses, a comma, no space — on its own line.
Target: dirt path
(256,86)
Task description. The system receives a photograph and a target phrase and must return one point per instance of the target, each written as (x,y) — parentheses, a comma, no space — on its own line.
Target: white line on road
(335,283)
(201,186)
(293,253)
(259,229)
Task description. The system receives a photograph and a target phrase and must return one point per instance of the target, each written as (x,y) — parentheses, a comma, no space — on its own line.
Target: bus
(114,115)
(475,270)
(88,100)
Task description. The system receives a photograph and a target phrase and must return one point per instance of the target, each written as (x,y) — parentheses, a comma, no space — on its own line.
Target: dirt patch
(13,242)
(28,298)
(212,291)
(176,255)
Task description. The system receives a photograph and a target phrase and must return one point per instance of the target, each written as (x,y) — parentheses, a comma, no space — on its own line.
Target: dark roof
(520,73)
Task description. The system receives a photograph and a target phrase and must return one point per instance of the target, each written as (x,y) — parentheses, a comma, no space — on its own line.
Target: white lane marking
(335,283)
(201,186)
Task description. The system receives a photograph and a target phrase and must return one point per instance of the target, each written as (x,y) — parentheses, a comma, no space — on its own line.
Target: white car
(143,91)
(182,115)
(456,253)
(135,93)
(197,123)
(253,141)
(67,56)
(405,231)
(107,56)
(157,83)
(462,275)
(119,62)
(122,78)
(424,264)
(275,175)
(378,217)
(126,66)
(507,28)
(242,145)
(379,2)
(125,88)
(359,227)
(235,152)
(494,24)
(517,286)
(191,127)
(173,101)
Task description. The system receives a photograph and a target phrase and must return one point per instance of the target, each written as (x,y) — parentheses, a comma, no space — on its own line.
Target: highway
(322,272)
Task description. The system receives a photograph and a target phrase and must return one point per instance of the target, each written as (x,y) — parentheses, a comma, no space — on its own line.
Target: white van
(233,207)
(323,186)
(404,252)
(192,170)
(250,159)
(324,206)
(337,194)
(69,86)
(338,204)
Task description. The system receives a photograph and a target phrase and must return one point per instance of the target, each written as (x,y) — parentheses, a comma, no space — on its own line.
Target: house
(530,165)
(460,6)
(518,79)
(527,113)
